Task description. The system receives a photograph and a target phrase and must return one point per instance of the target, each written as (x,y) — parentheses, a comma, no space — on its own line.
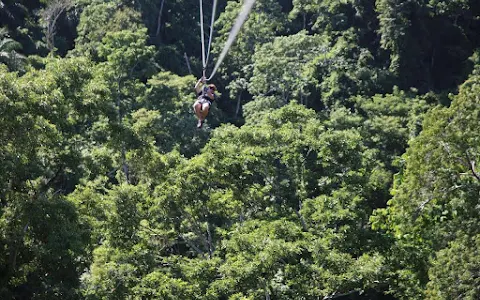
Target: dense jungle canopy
(341,160)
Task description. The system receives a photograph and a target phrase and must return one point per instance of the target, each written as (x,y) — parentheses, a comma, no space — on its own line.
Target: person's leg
(204,112)
(197,108)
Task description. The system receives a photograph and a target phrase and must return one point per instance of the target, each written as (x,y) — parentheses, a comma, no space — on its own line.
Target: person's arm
(199,85)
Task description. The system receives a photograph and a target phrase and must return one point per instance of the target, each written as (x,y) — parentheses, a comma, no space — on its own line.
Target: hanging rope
(202,37)
(205,60)
(242,16)
(211,28)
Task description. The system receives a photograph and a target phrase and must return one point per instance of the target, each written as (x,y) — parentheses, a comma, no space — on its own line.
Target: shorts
(202,101)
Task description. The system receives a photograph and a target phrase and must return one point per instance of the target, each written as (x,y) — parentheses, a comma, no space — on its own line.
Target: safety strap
(205,59)
(202,37)
(211,30)
(242,16)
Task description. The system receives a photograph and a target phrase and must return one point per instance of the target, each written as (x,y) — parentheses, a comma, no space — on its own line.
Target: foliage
(8,53)
(413,30)
(97,19)
(43,243)
(284,67)
(453,271)
(350,172)
(265,20)
(436,198)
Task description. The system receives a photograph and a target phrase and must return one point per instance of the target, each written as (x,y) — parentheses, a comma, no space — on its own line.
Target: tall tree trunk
(50,16)
(159,19)
(125,167)
(267,292)
(188,63)
(237,110)
(209,239)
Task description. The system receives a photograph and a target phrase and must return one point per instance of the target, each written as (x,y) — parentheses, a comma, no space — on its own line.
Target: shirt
(204,95)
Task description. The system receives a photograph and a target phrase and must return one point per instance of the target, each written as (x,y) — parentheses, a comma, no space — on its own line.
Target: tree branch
(51,15)
(471,165)
(334,295)
(209,239)
(188,63)
(189,243)
(159,19)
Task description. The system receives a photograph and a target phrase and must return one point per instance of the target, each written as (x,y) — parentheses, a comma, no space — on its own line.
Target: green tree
(98,19)
(284,68)
(425,40)
(22,21)
(452,274)
(435,195)
(126,62)
(50,16)
(43,242)
(277,170)
(8,51)
(390,121)
(173,96)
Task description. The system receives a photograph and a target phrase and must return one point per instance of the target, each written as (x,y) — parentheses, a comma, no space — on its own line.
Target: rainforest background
(341,161)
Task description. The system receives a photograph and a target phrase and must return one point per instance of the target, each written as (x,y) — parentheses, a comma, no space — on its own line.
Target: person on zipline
(205,97)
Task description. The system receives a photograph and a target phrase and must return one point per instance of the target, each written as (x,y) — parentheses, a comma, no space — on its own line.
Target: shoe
(199,124)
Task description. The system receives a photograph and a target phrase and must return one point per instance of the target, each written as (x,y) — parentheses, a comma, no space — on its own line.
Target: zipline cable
(211,29)
(247,7)
(204,63)
(205,60)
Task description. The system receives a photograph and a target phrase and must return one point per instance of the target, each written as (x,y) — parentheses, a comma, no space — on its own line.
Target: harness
(204,97)
(242,16)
